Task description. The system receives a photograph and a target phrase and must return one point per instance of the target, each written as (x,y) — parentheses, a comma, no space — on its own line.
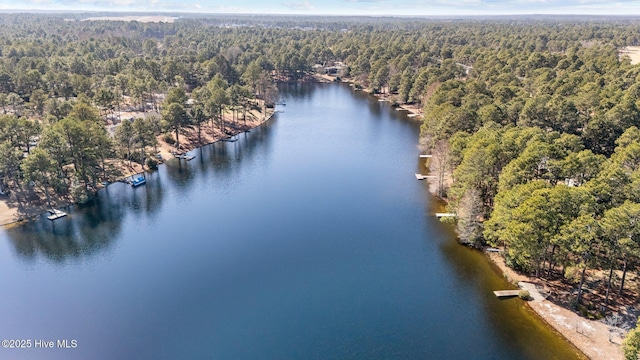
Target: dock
(506,293)
(56,214)
(424,177)
(187,157)
(426,156)
(441,215)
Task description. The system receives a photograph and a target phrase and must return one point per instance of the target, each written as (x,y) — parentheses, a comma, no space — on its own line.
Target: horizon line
(164,12)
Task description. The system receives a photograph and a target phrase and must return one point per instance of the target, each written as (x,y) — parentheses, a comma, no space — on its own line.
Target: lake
(309,238)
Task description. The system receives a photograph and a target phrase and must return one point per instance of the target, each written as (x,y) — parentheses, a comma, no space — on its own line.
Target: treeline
(533,121)
(62,82)
(538,147)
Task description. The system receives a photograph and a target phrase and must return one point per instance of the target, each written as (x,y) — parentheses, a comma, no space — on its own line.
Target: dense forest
(533,122)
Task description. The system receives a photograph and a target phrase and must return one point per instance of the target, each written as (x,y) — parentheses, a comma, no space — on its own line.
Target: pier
(56,214)
(506,293)
(426,156)
(441,215)
(423,177)
(186,157)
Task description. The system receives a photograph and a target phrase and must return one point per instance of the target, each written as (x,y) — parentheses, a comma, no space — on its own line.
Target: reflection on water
(91,228)
(308,238)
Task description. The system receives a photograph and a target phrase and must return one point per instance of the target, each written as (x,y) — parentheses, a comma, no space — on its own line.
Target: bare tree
(469,226)
(439,165)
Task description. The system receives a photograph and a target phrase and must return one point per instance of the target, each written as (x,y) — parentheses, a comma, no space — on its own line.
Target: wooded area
(534,121)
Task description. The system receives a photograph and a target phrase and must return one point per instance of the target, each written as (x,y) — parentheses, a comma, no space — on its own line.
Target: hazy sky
(343,7)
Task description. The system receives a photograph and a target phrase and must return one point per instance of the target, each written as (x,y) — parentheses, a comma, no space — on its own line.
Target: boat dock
(56,214)
(426,156)
(186,157)
(506,293)
(441,215)
(423,177)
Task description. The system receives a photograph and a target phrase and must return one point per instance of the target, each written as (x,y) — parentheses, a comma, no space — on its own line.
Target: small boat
(140,180)
(229,139)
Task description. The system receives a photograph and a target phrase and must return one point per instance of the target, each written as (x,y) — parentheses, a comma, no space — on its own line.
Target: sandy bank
(589,336)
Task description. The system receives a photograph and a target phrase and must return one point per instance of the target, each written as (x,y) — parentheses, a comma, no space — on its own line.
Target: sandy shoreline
(12,211)
(590,337)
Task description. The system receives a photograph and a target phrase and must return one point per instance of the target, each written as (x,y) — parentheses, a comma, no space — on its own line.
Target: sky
(341,7)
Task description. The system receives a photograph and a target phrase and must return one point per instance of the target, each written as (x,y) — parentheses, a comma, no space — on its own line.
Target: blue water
(309,238)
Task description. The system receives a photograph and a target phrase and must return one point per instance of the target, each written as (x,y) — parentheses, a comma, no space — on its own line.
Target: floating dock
(56,214)
(426,156)
(441,215)
(506,293)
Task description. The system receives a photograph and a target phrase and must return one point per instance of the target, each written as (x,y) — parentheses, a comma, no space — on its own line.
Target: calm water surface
(309,238)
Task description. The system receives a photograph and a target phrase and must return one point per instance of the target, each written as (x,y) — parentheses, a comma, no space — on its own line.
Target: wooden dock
(506,293)
(425,156)
(56,214)
(423,177)
(441,215)
(185,157)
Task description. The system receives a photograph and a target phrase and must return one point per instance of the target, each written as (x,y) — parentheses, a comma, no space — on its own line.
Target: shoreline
(589,337)
(414,112)
(11,214)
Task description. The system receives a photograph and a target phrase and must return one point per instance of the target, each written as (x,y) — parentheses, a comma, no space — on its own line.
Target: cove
(309,238)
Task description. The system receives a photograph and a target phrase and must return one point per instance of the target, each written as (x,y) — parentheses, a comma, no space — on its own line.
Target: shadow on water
(299,91)
(87,230)
(221,158)
(518,323)
(91,228)
(360,274)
